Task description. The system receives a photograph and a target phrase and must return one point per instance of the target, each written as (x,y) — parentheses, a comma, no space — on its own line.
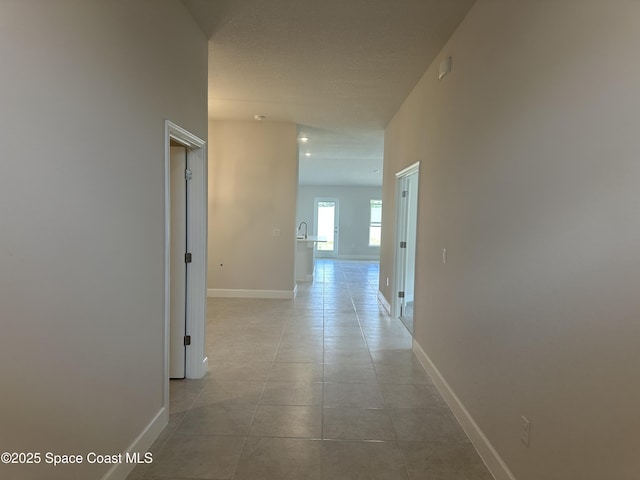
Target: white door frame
(196,361)
(401,232)
(336,226)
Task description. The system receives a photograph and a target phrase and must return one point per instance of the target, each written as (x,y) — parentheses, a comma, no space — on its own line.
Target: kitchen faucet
(305,228)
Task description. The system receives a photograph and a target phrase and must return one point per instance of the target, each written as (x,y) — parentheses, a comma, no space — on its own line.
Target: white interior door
(326,223)
(402,201)
(178,220)
(412,224)
(406,240)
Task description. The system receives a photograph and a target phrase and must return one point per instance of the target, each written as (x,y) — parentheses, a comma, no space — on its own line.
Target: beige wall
(529,179)
(253,176)
(84,92)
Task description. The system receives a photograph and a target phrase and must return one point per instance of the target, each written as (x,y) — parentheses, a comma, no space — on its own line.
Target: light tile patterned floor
(322,387)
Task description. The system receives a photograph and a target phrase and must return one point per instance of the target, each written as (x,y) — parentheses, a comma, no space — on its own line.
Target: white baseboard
(384,302)
(205,366)
(305,279)
(239,293)
(359,257)
(319,256)
(141,444)
(489,455)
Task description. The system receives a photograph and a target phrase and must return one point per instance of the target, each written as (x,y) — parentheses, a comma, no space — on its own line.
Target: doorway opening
(405,248)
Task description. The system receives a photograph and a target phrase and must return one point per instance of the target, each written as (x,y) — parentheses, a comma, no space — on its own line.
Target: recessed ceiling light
(259,117)
(307,154)
(304,139)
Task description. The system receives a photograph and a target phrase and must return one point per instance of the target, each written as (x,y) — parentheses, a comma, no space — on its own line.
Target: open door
(406,228)
(179,248)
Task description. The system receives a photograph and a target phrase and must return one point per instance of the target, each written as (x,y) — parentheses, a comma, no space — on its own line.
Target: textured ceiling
(338,68)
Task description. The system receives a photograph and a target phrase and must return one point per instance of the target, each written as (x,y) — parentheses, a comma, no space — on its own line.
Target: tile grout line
(324,295)
(255,410)
(387,407)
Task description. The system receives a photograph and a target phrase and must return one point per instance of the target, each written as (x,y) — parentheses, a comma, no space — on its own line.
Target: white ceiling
(338,68)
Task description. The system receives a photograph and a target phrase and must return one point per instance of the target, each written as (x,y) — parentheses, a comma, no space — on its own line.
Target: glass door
(326,219)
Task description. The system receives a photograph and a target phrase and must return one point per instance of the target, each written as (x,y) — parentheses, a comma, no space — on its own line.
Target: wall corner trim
(488,453)
(205,365)
(241,293)
(141,444)
(384,303)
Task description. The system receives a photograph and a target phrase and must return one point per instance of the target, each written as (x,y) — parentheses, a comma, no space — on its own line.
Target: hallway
(321,387)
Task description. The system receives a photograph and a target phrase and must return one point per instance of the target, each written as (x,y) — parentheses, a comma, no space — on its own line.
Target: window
(375,222)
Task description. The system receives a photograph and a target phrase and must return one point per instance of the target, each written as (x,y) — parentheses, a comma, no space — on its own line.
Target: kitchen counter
(311,238)
(305,257)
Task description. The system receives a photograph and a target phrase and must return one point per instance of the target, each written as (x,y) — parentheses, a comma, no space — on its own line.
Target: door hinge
(187,258)
(400,294)
(403,244)
(187,340)
(188,174)
(405,193)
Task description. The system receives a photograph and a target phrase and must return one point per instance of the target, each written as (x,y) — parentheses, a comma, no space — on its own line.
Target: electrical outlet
(276,232)
(526,431)
(444,255)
